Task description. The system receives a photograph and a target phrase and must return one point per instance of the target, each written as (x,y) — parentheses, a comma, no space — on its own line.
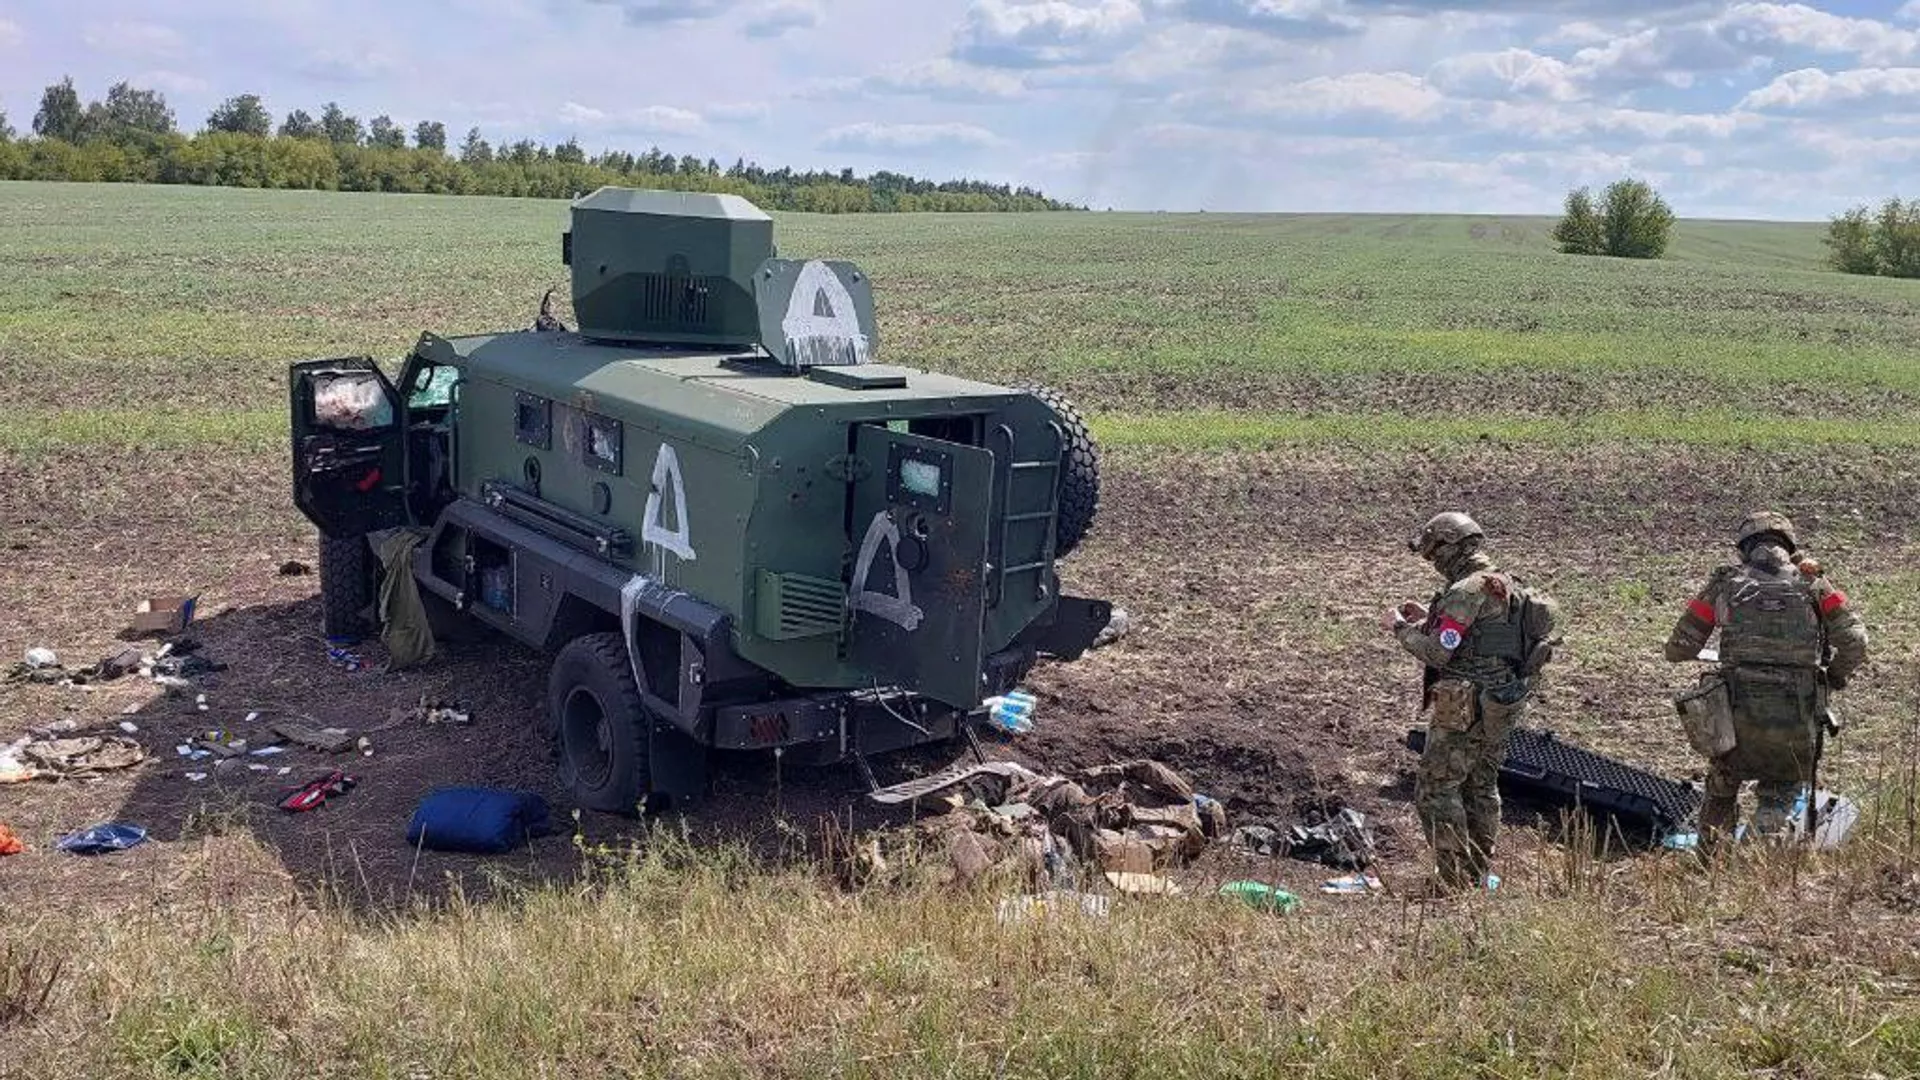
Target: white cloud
(1910,12)
(944,79)
(1813,90)
(883,138)
(349,66)
(10,34)
(739,112)
(781,16)
(1042,33)
(129,38)
(1392,94)
(1508,73)
(1810,28)
(655,12)
(661,119)
(173,82)
(1287,18)
(1593,123)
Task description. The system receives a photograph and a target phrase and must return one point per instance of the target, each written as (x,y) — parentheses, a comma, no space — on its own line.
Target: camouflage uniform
(1471,643)
(1787,637)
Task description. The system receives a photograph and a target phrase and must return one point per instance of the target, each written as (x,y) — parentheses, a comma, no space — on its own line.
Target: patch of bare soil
(1255,666)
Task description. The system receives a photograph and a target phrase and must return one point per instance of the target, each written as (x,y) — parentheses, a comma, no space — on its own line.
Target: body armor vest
(1494,647)
(1770,618)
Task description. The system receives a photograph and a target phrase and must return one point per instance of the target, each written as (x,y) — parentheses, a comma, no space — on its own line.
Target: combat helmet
(1766,521)
(1443,530)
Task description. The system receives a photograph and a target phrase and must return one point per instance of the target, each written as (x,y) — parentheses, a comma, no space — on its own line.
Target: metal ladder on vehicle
(1049,470)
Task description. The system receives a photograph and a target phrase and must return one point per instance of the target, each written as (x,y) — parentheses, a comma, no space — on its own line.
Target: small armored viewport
(667,267)
(680,268)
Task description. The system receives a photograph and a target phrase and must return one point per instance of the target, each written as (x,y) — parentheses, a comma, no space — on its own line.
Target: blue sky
(1743,109)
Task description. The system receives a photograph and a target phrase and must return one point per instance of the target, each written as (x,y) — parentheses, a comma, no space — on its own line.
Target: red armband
(1701,610)
(1832,602)
(1451,632)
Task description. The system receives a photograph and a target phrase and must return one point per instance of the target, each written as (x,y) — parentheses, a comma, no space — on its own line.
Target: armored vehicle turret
(734,526)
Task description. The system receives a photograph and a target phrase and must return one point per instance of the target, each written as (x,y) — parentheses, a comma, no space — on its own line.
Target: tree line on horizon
(132,137)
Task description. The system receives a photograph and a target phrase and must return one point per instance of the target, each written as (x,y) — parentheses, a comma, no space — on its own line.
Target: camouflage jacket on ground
(1471,631)
(1833,622)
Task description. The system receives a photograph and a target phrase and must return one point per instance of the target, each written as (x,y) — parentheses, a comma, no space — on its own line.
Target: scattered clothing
(10,844)
(77,757)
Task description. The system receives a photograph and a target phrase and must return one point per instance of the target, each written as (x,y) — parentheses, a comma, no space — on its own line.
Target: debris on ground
(294,568)
(163,615)
(1341,839)
(1260,895)
(316,792)
(1259,839)
(487,821)
(1352,884)
(10,844)
(328,740)
(344,658)
(103,838)
(41,665)
(1013,711)
(1118,624)
(68,757)
(1134,818)
(1135,884)
(1015,909)
(433,711)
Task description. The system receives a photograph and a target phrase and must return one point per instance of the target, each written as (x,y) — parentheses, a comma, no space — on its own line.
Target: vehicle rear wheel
(1079,473)
(346,587)
(600,725)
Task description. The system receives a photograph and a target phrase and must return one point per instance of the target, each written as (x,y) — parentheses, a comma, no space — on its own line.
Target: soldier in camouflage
(1470,639)
(1787,637)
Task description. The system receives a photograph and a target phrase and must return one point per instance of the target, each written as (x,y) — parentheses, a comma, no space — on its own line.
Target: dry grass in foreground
(666,960)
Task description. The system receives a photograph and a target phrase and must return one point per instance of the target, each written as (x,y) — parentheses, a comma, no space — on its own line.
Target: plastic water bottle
(1013,711)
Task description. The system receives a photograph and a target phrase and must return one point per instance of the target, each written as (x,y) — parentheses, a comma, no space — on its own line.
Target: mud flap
(676,764)
(1076,622)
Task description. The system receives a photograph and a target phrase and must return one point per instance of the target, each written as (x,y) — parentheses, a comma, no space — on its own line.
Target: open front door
(921,510)
(349,449)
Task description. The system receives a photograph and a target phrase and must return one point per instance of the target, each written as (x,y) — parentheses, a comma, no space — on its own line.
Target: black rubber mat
(1541,764)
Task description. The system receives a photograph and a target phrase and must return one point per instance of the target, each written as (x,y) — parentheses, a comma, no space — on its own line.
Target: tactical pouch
(1453,705)
(1706,714)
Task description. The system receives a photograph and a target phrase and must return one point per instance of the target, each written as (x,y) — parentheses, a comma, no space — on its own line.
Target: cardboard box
(164,614)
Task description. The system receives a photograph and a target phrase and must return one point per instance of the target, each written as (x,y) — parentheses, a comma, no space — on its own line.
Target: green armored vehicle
(734,527)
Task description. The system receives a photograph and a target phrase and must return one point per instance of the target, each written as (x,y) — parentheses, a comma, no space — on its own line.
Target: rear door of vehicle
(349,446)
(921,517)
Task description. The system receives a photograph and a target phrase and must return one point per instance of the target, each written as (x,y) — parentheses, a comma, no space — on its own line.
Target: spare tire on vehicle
(1079,472)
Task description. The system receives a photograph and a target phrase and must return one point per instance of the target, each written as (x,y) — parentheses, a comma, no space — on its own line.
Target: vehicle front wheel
(347,587)
(600,725)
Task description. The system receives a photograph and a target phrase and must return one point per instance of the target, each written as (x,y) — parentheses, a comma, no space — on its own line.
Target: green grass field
(1280,398)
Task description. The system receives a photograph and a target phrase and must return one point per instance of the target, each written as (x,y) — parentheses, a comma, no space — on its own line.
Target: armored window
(433,386)
(600,446)
(533,420)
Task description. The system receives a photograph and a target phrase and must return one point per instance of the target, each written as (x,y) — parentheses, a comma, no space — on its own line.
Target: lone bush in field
(1580,232)
(1886,242)
(1631,222)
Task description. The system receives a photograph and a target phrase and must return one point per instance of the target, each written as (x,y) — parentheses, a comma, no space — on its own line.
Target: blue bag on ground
(487,820)
(103,838)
